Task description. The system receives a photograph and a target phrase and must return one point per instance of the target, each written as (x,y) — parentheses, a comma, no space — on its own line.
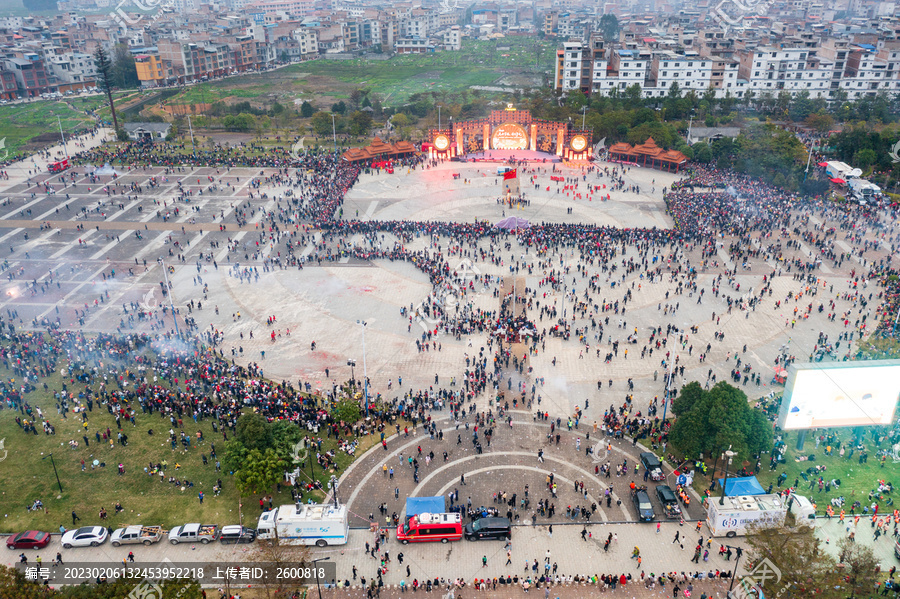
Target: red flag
(509,174)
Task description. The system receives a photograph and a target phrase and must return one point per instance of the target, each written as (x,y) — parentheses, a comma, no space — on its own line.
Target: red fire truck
(58,167)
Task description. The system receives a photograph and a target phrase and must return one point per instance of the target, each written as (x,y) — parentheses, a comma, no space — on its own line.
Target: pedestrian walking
(484,561)
(75,518)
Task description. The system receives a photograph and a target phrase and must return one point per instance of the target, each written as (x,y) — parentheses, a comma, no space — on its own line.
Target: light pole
(439,117)
(362,323)
(728,454)
(690,127)
(334,490)
(171,302)
(668,388)
(316,570)
(50,455)
(352,364)
(333,132)
(583,115)
(191,129)
(737,560)
(62,135)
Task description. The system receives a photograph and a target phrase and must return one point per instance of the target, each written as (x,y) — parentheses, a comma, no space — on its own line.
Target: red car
(30,539)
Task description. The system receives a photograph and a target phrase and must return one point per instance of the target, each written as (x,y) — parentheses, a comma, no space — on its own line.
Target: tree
(820,121)
(721,417)
(802,564)
(285,434)
(360,122)
(702,152)
(260,471)
(124,69)
(609,27)
(346,410)
(253,432)
(321,123)
(860,567)
(306,109)
(400,120)
(865,157)
(275,554)
(104,77)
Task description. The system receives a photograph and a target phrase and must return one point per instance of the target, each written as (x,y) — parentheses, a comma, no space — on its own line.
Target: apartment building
(780,59)
(31,77)
(151,70)
(192,61)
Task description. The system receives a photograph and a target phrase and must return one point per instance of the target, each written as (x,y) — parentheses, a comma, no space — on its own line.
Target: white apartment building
(72,67)
(569,63)
(308,41)
(688,70)
(452,38)
(866,73)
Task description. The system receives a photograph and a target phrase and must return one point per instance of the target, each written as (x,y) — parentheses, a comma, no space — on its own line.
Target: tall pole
(171,303)
(333,132)
(728,455)
(314,562)
(583,115)
(740,552)
(334,490)
(63,136)
(52,461)
(439,117)
(690,128)
(666,394)
(193,147)
(365,370)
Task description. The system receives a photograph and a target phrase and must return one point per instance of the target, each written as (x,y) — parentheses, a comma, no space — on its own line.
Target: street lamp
(362,323)
(439,117)
(728,454)
(352,364)
(690,127)
(583,115)
(333,132)
(50,455)
(316,570)
(737,560)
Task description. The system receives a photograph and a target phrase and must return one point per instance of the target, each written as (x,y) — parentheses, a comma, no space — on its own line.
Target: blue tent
(425,505)
(742,486)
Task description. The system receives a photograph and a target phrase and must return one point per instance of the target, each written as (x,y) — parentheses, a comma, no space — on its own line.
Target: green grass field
(28,476)
(857,480)
(28,126)
(393,81)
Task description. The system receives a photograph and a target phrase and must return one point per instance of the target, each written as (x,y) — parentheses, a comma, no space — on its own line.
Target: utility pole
(50,455)
(191,128)
(171,303)
(62,135)
(333,132)
(365,370)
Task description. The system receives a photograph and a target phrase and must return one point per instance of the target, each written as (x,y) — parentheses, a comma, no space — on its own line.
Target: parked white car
(85,536)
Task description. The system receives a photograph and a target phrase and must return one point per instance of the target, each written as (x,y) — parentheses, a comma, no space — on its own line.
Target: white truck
(838,170)
(732,518)
(864,191)
(305,524)
(194,533)
(136,534)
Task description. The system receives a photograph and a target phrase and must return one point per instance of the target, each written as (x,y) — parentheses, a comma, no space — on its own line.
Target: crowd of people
(128,377)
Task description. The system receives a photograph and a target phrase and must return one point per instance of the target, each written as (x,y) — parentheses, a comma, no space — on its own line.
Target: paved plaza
(95,249)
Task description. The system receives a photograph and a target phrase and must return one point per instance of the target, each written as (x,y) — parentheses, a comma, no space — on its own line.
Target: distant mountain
(35,4)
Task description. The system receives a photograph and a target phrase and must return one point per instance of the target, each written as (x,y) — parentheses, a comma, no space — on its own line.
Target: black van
(488,528)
